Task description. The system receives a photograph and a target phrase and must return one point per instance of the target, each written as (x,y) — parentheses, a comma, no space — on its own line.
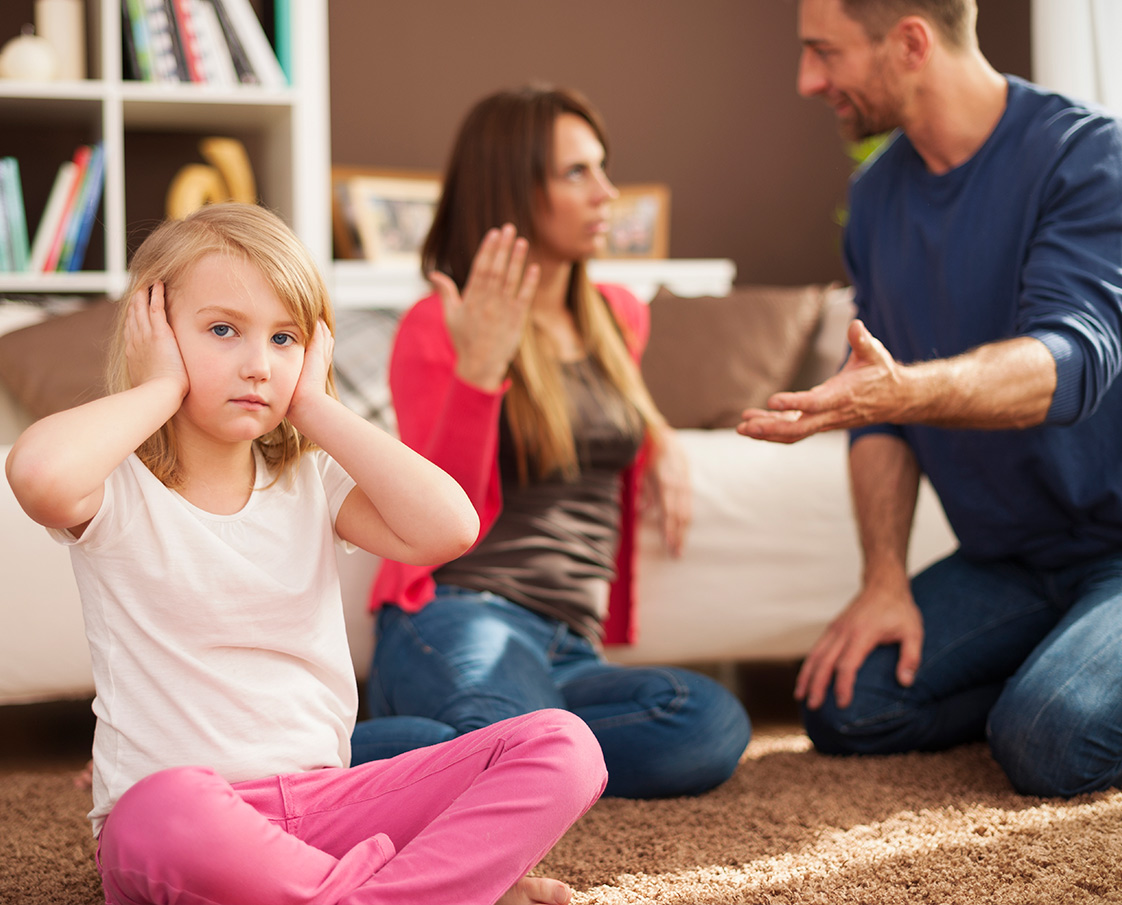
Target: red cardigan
(456,426)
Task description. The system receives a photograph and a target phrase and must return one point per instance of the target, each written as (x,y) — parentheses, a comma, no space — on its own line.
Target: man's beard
(861,124)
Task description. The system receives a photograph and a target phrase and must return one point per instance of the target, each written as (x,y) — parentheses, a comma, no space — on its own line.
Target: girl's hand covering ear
(151,350)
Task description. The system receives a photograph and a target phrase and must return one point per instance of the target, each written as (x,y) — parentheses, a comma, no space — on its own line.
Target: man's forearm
(884,477)
(999,386)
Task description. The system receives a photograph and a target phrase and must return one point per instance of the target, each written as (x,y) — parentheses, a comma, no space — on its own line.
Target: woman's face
(571,219)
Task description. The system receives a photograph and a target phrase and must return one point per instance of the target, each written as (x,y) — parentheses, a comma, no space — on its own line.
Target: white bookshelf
(286,129)
(397,284)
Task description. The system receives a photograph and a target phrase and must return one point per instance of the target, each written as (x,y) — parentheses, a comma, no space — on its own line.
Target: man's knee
(889,728)
(831,732)
(1055,748)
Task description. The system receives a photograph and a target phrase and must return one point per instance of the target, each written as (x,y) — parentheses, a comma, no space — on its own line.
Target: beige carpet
(790,827)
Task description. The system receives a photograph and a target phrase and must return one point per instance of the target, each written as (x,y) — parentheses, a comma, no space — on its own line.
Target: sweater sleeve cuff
(1066,400)
(468,401)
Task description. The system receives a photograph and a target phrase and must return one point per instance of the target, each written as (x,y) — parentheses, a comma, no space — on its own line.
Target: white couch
(771,557)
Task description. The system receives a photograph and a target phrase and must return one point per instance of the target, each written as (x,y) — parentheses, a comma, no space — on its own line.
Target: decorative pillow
(829,347)
(363,341)
(58,363)
(710,358)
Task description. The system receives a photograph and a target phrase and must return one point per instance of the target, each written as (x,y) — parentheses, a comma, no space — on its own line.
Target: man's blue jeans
(1030,659)
(469,659)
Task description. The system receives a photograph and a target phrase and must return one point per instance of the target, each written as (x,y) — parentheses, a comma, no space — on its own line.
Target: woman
(519,378)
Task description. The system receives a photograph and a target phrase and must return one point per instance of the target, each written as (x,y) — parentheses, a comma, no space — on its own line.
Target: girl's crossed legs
(460,822)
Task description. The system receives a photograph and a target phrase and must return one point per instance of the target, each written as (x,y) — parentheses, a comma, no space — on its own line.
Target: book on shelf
(242,65)
(81,161)
(220,42)
(80,225)
(7,261)
(251,35)
(14,214)
(166,64)
(183,23)
(133,12)
(178,47)
(52,215)
(282,36)
(217,62)
(130,63)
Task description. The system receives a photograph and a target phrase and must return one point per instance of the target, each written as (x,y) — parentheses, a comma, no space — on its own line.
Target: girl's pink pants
(460,822)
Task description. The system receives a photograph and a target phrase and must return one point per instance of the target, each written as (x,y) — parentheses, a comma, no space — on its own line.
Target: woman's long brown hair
(497,174)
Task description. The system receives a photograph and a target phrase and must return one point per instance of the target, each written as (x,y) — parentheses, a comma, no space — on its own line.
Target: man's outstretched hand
(870,389)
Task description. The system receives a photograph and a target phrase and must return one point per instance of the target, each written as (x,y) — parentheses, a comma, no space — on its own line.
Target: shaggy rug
(791,826)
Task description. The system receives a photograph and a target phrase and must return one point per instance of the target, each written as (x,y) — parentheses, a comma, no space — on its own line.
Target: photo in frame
(639,222)
(381,214)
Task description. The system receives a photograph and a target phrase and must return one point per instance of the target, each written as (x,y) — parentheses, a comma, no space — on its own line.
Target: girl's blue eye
(221,329)
(284,339)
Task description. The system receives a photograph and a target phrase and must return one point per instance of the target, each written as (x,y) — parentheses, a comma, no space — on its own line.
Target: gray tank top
(553,547)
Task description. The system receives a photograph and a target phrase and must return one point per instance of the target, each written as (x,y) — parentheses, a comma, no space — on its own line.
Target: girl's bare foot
(84,780)
(537,891)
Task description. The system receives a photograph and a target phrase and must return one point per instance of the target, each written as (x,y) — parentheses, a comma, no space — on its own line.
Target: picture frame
(639,222)
(382,214)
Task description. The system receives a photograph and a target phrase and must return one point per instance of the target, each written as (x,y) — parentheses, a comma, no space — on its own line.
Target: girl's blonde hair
(497,174)
(254,235)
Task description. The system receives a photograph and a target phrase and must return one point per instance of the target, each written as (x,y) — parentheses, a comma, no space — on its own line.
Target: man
(985,247)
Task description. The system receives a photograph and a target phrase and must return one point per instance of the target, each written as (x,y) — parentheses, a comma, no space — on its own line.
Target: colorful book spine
(282,37)
(217,62)
(242,64)
(81,160)
(138,21)
(182,70)
(165,64)
(15,213)
(257,46)
(52,215)
(184,21)
(78,238)
(7,262)
(130,65)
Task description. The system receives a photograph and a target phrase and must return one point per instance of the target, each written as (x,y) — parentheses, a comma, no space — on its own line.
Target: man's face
(849,71)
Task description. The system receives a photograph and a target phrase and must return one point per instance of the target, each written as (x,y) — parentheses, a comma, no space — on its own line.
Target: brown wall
(699,95)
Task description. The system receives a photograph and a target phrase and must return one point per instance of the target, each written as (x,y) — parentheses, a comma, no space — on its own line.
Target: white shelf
(398,284)
(288,129)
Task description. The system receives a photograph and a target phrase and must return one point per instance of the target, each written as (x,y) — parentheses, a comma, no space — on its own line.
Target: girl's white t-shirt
(216,640)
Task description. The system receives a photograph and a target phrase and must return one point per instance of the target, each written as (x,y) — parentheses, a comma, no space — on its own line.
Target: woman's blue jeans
(1030,659)
(469,659)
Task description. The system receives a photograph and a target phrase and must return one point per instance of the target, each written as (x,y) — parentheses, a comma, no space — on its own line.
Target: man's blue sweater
(1023,239)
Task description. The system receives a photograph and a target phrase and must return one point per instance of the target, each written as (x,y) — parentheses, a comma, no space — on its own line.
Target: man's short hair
(954,19)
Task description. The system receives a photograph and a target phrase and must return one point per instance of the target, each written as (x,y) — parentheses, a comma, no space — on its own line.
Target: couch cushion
(829,345)
(363,343)
(710,358)
(59,362)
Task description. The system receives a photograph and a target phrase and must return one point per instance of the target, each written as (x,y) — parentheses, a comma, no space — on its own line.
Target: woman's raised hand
(487,320)
(150,346)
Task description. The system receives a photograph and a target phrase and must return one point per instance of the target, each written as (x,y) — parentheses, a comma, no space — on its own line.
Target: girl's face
(571,220)
(242,350)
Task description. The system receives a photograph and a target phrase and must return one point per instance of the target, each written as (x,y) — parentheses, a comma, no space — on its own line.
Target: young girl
(201,501)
